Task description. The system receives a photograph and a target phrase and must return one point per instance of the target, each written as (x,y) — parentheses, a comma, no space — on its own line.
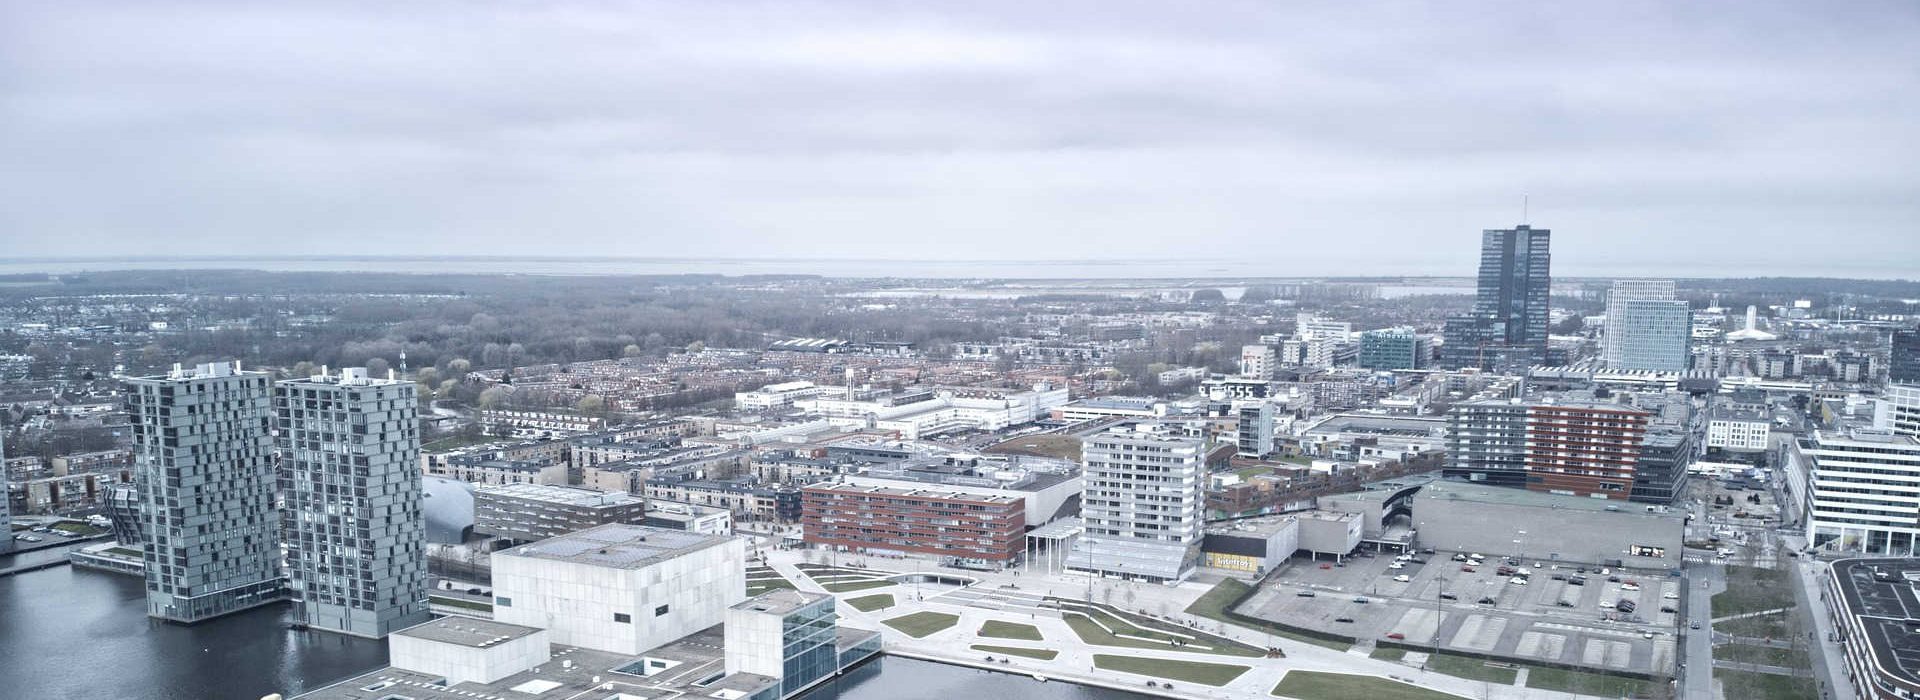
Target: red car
(1396,635)
(1326,566)
(1467,569)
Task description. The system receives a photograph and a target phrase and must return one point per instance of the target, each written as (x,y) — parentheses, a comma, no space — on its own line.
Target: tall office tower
(6,509)
(203,459)
(1507,328)
(350,477)
(1904,358)
(1864,492)
(1647,329)
(1393,348)
(1144,503)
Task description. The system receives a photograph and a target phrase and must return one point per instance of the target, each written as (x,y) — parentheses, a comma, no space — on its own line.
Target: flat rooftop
(617,546)
(466,631)
(779,601)
(930,491)
(1261,527)
(561,495)
(1501,495)
(593,674)
(1879,593)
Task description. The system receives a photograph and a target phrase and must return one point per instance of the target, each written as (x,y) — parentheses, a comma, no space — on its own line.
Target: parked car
(1668,609)
(1396,636)
(1305,594)
(1577,581)
(1468,569)
(1343,619)
(1671,596)
(1559,577)
(1459,557)
(1518,580)
(1448,596)
(1629,586)
(1563,603)
(1486,601)
(1362,601)
(1403,578)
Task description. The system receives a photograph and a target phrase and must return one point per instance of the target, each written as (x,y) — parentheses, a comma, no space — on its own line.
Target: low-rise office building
(532,512)
(793,636)
(1738,428)
(1253,546)
(689,517)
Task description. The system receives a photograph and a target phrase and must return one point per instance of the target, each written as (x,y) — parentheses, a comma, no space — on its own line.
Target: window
(622,617)
(662,610)
(503,601)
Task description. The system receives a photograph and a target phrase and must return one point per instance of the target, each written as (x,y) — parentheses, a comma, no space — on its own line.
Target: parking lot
(1549,618)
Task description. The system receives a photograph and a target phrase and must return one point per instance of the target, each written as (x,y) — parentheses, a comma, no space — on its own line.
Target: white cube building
(466,650)
(620,588)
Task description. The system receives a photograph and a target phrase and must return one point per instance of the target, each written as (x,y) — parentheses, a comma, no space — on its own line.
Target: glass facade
(1507,329)
(807,637)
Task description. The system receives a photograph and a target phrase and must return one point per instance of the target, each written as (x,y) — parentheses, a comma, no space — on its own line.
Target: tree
(696,346)
(302,370)
(631,351)
(378,367)
(494,396)
(591,405)
(459,367)
(1207,296)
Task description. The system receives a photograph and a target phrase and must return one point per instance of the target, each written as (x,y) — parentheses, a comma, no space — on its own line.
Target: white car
(1403,578)
(1518,581)
(1671,596)
(1629,586)
(1396,565)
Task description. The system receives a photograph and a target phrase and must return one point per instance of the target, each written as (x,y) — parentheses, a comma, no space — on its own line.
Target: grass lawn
(1582,683)
(870,603)
(1763,627)
(852,586)
(1318,685)
(460,603)
(1062,446)
(78,529)
(457,442)
(1189,671)
(1762,686)
(1471,669)
(1766,656)
(921,624)
(126,552)
(1041,654)
(1751,589)
(1213,607)
(1388,653)
(1010,630)
(1092,633)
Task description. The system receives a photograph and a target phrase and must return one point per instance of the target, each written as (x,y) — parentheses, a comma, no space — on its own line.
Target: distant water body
(1224,268)
(75,634)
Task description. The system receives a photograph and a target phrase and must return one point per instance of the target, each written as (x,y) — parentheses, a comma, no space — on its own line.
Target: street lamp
(1436,621)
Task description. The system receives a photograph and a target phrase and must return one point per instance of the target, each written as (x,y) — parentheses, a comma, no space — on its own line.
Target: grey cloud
(1374,136)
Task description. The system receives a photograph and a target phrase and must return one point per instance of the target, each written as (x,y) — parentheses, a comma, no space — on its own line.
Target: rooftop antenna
(1523,210)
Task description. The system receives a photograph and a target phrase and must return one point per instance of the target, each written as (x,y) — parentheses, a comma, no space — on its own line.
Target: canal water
(74,634)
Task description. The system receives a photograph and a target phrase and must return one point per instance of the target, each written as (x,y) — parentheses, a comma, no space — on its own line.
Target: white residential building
(1738,429)
(947,409)
(620,588)
(1144,503)
(776,396)
(1310,326)
(1257,361)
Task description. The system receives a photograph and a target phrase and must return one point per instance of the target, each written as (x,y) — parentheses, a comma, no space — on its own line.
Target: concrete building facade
(1864,492)
(620,588)
(203,455)
(1647,329)
(352,524)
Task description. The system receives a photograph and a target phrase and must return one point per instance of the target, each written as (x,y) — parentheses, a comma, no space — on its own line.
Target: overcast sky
(1328,137)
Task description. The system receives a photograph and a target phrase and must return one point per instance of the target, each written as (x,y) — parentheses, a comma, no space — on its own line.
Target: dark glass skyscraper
(1507,328)
(1903,366)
